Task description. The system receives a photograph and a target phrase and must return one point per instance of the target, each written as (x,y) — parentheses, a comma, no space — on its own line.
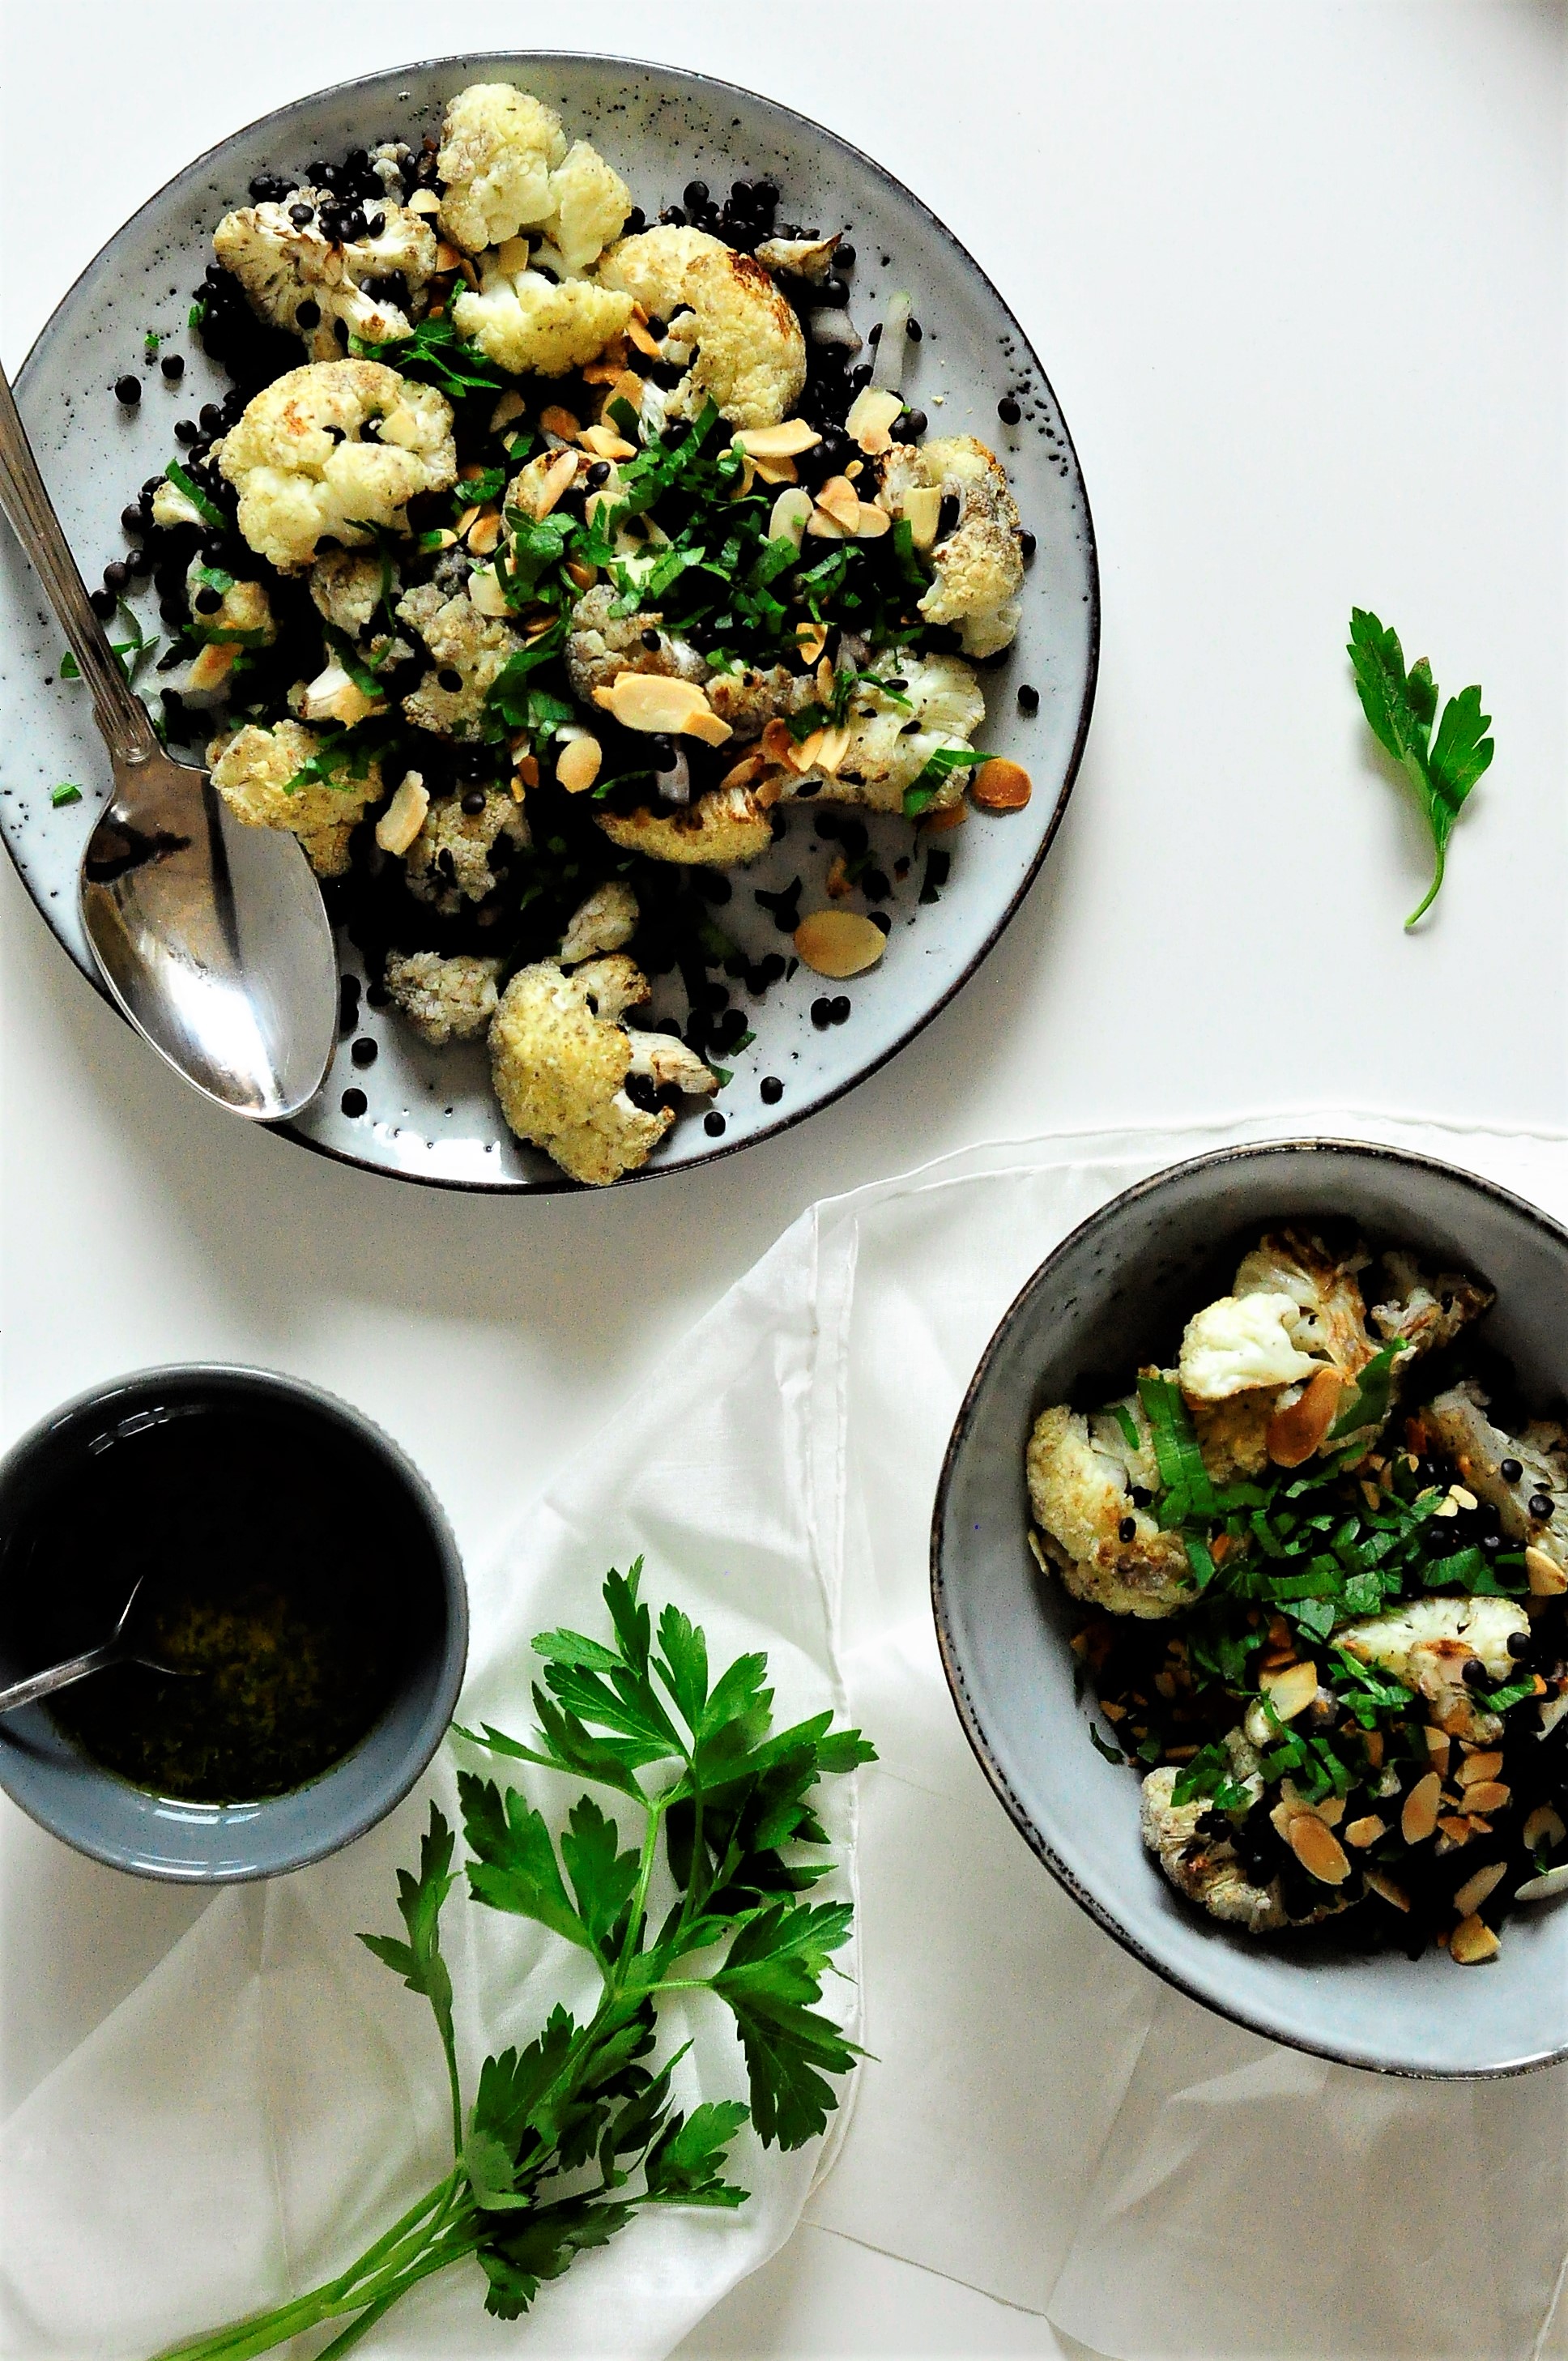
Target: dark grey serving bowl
(1115,1293)
(99,1813)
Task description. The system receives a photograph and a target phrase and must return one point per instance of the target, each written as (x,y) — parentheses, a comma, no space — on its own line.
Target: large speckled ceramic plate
(429,1113)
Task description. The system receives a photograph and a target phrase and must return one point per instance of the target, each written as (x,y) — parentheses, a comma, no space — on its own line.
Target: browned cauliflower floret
(1425,1313)
(742,340)
(450,999)
(469,653)
(224,621)
(1536,1460)
(335,447)
(749,698)
(1205,1867)
(345,589)
(529,325)
(892,736)
(1427,1643)
(498,148)
(588,205)
(1080,1488)
(1250,1359)
(560,1061)
(605,922)
(450,861)
(979,561)
(252,772)
(602,645)
(720,829)
(288,269)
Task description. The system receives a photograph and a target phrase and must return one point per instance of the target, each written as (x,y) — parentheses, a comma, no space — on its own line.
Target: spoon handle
(58,1676)
(121,717)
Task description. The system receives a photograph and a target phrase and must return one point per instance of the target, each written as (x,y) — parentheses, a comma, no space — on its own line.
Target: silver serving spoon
(121,1648)
(212,936)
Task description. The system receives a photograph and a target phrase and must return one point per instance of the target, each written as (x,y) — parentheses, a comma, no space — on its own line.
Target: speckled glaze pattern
(1113,1295)
(61,1787)
(429,1116)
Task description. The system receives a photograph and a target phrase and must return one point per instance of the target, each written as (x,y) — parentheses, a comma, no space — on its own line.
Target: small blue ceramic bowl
(103,1815)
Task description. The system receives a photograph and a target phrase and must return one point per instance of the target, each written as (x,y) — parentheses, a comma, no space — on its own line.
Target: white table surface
(1297,275)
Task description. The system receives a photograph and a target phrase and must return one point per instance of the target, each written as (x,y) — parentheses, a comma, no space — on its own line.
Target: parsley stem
(1431,892)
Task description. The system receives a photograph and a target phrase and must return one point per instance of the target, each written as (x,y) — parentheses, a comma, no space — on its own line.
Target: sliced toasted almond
(511,256)
(525,767)
(446,257)
(1447,1507)
(1418,1819)
(938,823)
(1384,1887)
(558,420)
(871,414)
(785,440)
(1544,1826)
(444,538)
(1471,1941)
(484,533)
(745,774)
(486,593)
(556,480)
(580,571)
(811,639)
(775,743)
(1290,1692)
(1367,1830)
(1543,1888)
(1001,786)
(1487,1796)
(774,471)
(577,763)
(404,816)
(1547,1579)
(1476,1890)
(1477,1767)
(831,750)
(424,201)
(626,387)
(605,443)
(470,516)
(1454,1828)
(1371,1740)
(636,335)
(822,527)
(668,707)
(874,523)
(1294,1434)
(1438,1746)
(838,499)
(1466,1500)
(838,942)
(802,756)
(922,510)
(790,515)
(1318,1848)
(510,406)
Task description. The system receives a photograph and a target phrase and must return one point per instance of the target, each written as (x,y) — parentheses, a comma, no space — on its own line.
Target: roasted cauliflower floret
(1536,1462)
(450,859)
(1237,1343)
(891,742)
(1425,1312)
(288,269)
(1330,1318)
(532,326)
(469,653)
(345,590)
(1295,1306)
(720,830)
(605,922)
(498,148)
(588,205)
(746,347)
(444,1000)
(979,561)
(336,448)
(172,507)
(752,697)
(560,1059)
(1109,1550)
(1205,1866)
(1426,1643)
(252,772)
(224,621)
(602,645)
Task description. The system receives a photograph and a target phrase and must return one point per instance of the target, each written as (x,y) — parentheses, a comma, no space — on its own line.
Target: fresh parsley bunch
(568,2139)
(1401,708)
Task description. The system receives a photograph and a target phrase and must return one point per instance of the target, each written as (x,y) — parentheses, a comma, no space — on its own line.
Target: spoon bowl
(123,1646)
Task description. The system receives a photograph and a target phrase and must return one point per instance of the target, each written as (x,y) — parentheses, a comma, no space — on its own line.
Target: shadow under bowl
(76,1797)
(1115,1295)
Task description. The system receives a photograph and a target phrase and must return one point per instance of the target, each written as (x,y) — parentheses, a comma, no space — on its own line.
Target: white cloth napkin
(1044,2120)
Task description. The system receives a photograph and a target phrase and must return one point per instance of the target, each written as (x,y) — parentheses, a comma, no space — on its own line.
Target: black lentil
(1541,1505)
(116,576)
(129,390)
(1029,698)
(207,600)
(1008,411)
(1027,545)
(1509,1470)
(474,801)
(448,679)
(771,1090)
(364,1051)
(103,603)
(173,366)
(822,1014)
(187,431)
(713,1123)
(839,1009)
(353,1102)
(132,521)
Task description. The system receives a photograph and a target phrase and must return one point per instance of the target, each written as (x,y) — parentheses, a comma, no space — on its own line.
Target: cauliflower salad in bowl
(1323,1565)
(539,562)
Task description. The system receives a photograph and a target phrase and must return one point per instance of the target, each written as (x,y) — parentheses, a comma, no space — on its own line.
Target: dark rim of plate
(558,1184)
(1018,1812)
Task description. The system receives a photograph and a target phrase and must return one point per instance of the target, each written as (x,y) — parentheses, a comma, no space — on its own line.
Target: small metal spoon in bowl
(122,1647)
(212,936)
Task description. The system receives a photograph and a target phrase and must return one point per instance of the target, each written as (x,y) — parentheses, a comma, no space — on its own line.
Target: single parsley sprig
(1401,708)
(567,2138)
